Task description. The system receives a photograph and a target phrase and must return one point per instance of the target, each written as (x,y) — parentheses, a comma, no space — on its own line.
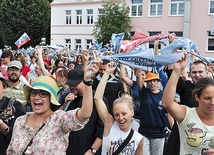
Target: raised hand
(110,67)
(181,64)
(91,70)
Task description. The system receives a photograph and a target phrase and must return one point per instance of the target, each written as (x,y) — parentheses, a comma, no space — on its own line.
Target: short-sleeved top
(25,70)
(52,139)
(16,92)
(195,136)
(116,137)
(152,114)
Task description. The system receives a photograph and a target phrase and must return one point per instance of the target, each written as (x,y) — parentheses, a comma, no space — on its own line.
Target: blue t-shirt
(152,114)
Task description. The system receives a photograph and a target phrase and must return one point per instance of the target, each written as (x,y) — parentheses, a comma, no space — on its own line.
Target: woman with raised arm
(196,125)
(117,129)
(46,130)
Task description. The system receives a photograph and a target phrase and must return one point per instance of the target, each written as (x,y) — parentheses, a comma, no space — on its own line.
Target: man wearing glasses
(15,86)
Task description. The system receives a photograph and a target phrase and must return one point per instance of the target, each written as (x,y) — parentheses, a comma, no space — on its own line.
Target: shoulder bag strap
(31,141)
(126,141)
(11,102)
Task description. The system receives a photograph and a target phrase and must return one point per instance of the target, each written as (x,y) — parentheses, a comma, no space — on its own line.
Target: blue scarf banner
(144,59)
(185,43)
(116,40)
(96,46)
(205,59)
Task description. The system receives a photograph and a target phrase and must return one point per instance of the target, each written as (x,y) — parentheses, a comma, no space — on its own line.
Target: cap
(16,64)
(152,76)
(75,76)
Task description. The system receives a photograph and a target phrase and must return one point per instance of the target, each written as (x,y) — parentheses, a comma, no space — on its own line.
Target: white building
(72,21)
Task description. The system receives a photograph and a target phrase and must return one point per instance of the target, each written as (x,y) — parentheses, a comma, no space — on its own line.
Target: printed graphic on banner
(22,40)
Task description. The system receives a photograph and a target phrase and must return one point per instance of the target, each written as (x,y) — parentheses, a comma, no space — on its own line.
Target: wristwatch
(93,150)
(88,83)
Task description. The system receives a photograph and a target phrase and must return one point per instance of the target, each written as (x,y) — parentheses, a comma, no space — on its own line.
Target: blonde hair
(127,99)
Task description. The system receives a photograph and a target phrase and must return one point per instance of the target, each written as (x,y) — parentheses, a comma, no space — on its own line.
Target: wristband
(88,83)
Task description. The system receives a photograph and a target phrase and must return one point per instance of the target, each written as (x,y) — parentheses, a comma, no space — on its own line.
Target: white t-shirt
(115,139)
(195,136)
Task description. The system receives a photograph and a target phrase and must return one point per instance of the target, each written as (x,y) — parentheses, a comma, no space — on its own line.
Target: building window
(88,43)
(68,43)
(78,45)
(211,6)
(210,42)
(79,16)
(100,12)
(68,16)
(152,43)
(177,7)
(179,34)
(90,16)
(136,8)
(156,8)
(132,33)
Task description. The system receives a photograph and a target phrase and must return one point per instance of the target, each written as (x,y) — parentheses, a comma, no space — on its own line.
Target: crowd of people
(79,104)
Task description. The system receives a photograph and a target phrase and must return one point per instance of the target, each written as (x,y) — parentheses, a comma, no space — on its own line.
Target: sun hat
(3,79)
(45,83)
(16,64)
(152,76)
(75,76)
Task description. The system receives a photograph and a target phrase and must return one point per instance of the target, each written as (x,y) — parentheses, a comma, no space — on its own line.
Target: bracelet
(88,83)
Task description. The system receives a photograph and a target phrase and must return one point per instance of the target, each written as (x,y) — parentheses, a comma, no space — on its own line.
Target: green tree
(113,19)
(19,16)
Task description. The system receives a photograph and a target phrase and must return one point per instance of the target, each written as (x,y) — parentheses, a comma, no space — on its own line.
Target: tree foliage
(113,19)
(19,16)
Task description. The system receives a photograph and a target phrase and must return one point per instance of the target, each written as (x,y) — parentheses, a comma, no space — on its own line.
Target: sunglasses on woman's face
(41,93)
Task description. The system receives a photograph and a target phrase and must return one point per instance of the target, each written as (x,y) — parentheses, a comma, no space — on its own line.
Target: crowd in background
(73,80)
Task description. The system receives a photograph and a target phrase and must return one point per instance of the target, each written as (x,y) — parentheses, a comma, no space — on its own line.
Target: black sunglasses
(41,93)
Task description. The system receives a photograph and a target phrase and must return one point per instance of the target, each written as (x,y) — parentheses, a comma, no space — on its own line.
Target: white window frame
(100,12)
(79,16)
(68,43)
(178,3)
(78,45)
(157,6)
(90,16)
(137,6)
(209,11)
(68,16)
(209,36)
(88,43)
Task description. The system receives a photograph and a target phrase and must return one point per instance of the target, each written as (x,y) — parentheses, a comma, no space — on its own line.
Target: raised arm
(87,103)
(139,78)
(102,110)
(175,110)
(85,56)
(45,72)
(123,76)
